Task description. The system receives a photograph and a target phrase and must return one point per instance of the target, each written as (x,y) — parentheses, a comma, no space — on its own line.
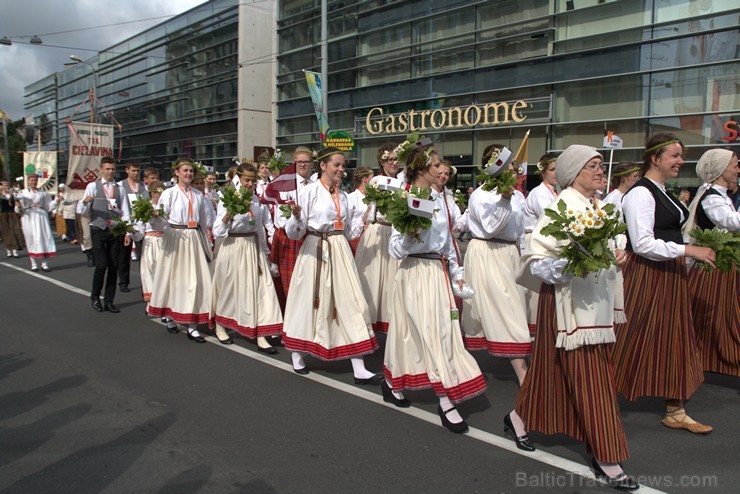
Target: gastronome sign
(457,117)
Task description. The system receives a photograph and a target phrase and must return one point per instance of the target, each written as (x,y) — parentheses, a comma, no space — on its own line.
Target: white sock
(397,394)
(193,330)
(298,362)
(613,470)
(358,367)
(15,253)
(170,322)
(518,424)
(9,253)
(33,263)
(453,416)
(45,265)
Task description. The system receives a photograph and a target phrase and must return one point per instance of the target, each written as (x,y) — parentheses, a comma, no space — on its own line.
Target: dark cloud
(22,64)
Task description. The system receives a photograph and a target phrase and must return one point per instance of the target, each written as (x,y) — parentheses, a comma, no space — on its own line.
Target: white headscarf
(572,161)
(709,168)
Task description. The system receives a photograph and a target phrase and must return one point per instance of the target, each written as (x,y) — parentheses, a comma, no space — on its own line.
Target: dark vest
(667,218)
(127,189)
(100,215)
(702,220)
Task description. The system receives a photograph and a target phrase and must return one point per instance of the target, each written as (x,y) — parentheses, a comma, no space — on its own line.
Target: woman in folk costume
(424,348)
(244,297)
(326,315)
(624,176)
(656,353)
(182,286)
(360,178)
(34,206)
(716,295)
(569,388)
(151,234)
(496,318)
(538,199)
(10,225)
(377,269)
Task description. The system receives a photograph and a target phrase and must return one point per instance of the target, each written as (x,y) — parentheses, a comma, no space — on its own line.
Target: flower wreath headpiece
(414,141)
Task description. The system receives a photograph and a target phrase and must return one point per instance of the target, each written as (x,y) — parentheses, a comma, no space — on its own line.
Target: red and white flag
(285,182)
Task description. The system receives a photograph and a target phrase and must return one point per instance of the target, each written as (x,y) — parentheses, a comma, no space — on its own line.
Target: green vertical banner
(314,88)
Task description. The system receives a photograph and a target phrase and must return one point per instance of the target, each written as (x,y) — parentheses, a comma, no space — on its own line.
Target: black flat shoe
(123,288)
(197,339)
(163,319)
(34,269)
(173,330)
(456,428)
(389,397)
(376,379)
(111,308)
(522,442)
(46,269)
(621,482)
(227,341)
(97,305)
(302,372)
(269,350)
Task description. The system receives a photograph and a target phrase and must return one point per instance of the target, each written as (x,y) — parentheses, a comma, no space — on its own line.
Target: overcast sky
(22,64)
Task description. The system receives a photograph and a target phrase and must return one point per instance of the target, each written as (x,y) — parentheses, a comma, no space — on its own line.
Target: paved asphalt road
(113,403)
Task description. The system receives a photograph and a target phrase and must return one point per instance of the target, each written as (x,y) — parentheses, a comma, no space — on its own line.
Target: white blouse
(615,197)
(319,213)
(256,222)
(436,239)
(720,210)
(357,208)
(279,221)
(36,201)
(175,202)
(493,216)
(638,208)
(538,199)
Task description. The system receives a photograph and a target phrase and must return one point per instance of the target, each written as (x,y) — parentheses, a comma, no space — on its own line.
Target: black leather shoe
(97,305)
(173,330)
(456,428)
(46,269)
(227,341)
(376,379)
(270,350)
(111,308)
(197,339)
(123,288)
(389,397)
(34,269)
(621,482)
(522,442)
(302,372)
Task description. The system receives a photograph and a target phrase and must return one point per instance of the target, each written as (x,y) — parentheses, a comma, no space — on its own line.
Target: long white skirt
(244,297)
(377,271)
(37,232)
(182,285)
(495,318)
(151,254)
(425,348)
(340,327)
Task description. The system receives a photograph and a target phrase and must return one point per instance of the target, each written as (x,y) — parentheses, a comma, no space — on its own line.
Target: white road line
(480,435)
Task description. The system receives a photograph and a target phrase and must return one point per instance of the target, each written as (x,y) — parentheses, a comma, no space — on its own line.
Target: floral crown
(414,141)
(542,165)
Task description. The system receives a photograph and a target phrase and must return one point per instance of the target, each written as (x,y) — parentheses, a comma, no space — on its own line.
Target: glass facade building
(575,68)
(173,88)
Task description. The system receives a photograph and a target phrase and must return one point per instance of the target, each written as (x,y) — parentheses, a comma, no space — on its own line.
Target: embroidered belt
(427,255)
(239,235)
(154,234)
(183,227)
(497,240)
(320,260)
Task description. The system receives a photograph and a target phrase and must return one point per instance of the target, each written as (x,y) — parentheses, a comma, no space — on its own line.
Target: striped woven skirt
(656,352)
(716,314)
(284,253)
(10,226)
(571,392)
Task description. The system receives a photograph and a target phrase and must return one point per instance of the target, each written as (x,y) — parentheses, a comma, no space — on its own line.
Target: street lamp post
(7,147)
(93,89)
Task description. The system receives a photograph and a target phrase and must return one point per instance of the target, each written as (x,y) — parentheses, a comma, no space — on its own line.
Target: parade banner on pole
(314,88)
(611,142)
(520,160)
(88,143)
(45,163)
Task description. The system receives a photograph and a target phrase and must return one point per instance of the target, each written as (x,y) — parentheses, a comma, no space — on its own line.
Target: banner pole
(609,176)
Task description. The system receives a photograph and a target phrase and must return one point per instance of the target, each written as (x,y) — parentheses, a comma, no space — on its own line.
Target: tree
(16,147)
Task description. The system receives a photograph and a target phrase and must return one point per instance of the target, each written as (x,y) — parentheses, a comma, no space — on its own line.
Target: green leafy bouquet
(381,198)
(588,232)
(143,210)
(276,163)
(398,214)
(503,182)
(725,244)
(460,200)
(236,201)
(119,227)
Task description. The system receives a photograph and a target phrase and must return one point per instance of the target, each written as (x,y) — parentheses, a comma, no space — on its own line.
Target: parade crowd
(324,271)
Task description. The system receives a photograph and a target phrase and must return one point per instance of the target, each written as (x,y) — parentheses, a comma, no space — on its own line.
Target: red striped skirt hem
(339,353)
(178,317)
(41,255)
(248,331)
(456,394)
(498,348)
(380,327)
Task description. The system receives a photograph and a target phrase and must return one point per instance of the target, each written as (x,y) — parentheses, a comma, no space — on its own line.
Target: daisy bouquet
(587,233)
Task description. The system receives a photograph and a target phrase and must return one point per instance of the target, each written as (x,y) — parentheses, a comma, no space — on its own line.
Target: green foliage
(503,182)
(381,198)
(236,201)
(400,217)
(588,233)
(285,210)
(725,244)
(118,227)
(276,163)
(460,200)
(142,210)
(402,150)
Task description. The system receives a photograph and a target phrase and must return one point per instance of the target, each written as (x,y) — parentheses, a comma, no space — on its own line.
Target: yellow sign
(456,117)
